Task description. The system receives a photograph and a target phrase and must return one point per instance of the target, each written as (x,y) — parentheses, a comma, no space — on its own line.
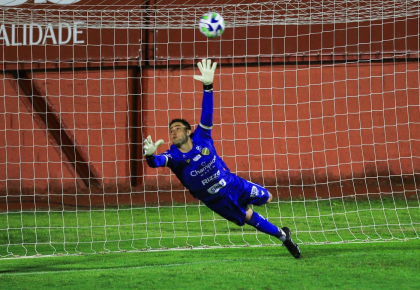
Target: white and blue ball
(212,24)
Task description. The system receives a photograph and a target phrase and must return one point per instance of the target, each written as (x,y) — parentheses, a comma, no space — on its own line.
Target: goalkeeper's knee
(270,197)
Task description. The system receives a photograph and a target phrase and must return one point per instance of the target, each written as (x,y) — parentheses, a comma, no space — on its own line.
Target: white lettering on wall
(31,34)
(49,33)
(34,34)
(24,34)
(14,43)
(75,33)
(11,2)
(60,33)
(4,36)
(19,2)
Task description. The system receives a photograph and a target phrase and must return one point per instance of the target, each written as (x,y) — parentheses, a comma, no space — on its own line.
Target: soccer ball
(212,24)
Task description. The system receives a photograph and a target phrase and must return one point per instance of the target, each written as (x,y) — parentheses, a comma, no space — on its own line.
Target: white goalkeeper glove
(207,71)
(149,147)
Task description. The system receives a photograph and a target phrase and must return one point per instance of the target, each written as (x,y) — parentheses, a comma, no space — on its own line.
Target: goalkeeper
(194,161)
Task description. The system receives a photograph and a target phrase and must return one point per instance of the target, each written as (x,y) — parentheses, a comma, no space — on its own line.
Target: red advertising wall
(306,110)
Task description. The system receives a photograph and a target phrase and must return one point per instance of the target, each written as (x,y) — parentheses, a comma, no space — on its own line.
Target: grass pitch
(344,246)
(385,265)
(152,227)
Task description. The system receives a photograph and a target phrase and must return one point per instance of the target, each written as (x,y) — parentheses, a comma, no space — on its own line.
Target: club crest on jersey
(197,157)
(254,191)
(188,160)
(205,151)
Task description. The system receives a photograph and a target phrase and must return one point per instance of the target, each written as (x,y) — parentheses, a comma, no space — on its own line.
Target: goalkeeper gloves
(207,72)
(149,147)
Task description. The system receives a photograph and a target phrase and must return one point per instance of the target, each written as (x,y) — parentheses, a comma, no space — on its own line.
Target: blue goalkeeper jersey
(200,170)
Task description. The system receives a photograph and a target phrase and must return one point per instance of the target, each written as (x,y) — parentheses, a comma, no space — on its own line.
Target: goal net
(316,100)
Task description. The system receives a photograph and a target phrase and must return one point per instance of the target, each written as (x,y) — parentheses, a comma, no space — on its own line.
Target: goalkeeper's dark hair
(183,122)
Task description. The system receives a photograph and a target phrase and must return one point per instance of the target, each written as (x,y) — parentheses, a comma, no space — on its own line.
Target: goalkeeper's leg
(234,208)
(263,225)
(256,194)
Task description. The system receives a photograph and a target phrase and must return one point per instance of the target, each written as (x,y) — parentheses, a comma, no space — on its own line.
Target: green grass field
(346,244)
(388,265)
(179,226)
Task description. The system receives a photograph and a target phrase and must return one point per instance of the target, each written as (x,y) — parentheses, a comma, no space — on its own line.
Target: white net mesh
(236,15)
(316,100)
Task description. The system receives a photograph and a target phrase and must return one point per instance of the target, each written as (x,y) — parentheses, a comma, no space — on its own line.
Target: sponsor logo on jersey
(205,169)
(211,178)
(198,147)
(197,157)
(205,151)
(215,188)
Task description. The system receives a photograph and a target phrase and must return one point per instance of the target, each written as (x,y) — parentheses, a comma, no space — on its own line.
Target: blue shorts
(232,206)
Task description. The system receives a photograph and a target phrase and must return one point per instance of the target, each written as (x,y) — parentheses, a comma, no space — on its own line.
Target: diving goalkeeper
(194,161)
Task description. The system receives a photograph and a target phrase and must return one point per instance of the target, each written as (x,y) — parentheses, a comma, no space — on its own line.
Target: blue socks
(263,225)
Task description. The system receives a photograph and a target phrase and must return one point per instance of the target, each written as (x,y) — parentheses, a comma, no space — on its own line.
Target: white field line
(167,265)
(132,268)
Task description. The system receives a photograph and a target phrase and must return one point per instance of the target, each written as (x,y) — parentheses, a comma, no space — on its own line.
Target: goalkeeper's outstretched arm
(206,121)
(207,75)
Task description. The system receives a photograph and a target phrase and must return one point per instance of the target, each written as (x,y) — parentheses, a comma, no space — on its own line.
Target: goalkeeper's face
(179,134)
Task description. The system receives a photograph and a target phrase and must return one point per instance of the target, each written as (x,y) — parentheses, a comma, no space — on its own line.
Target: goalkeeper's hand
(207,71)
(149,147)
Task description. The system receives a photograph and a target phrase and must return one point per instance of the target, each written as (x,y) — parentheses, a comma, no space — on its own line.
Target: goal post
(318,101)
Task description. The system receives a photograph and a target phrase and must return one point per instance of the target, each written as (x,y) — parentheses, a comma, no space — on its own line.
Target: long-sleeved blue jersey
(200,170)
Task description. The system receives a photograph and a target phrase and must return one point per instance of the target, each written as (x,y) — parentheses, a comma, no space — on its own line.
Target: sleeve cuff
(208,88)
